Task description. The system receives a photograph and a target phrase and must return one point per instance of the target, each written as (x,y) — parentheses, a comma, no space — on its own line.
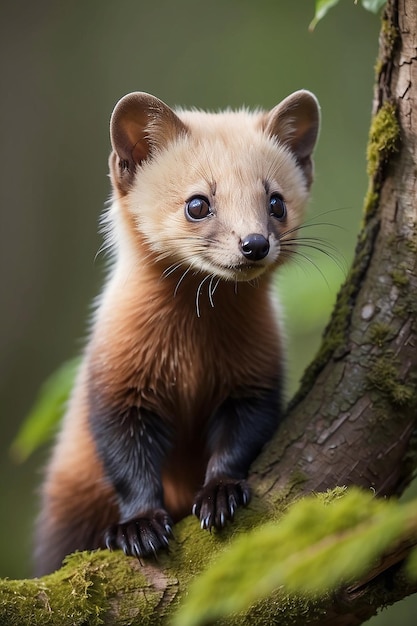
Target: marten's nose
(254,247)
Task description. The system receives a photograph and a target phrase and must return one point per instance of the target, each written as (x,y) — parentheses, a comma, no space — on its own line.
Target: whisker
(184,274)
(321,246)
(313,221)
(216,285)
(211,291)
(317,244)
(297,229)
(311,238)
(327,212)
(317,267)
(170,270)
(198,293)
(285,254)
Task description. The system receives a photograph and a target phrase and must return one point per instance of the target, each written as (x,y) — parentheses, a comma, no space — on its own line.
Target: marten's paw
(142,536)
(217,501)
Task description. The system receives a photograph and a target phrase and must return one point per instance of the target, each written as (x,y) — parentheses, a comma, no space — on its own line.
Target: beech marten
(181,381)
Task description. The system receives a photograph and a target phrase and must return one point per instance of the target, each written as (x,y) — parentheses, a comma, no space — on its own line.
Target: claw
(109,544)
(218,500)
(143,536)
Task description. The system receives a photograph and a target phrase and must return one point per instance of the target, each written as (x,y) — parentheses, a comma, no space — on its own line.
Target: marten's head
(219,193)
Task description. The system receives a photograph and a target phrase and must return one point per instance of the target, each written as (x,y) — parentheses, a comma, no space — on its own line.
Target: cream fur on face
(235,160)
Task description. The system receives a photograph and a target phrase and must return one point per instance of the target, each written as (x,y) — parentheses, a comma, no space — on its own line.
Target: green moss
(296,480)
(383,376)
(69,596)
(390,34)
(400,277)
(81,593)
(330,495)
(378,67)
(282,609)
(383,137)
(383,142)
(411,243)
(371,199)
(400,310)
(380,333)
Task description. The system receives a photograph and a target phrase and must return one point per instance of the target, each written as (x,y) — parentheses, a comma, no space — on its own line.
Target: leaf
(46,412)
(322,7)
(316,547)
(373,5)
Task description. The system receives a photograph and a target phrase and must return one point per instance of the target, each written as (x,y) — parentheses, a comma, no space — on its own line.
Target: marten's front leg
(132,444)
(238,430)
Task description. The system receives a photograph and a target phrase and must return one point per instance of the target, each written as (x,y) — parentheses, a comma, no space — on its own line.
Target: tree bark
(354,420)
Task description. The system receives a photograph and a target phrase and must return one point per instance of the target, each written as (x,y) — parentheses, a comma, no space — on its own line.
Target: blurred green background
(63,67)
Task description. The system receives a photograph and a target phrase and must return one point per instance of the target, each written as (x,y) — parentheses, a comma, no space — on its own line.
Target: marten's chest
(157,352)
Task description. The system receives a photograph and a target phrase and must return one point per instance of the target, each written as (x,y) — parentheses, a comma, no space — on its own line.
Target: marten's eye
(277,206)
(197,208)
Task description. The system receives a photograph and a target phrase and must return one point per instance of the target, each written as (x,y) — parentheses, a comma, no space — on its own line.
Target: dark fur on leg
(133,444)
(238,431)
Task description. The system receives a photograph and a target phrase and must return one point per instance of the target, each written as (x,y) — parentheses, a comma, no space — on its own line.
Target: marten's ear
(295,122)
(140,123)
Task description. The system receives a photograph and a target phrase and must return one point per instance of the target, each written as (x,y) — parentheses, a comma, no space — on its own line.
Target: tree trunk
(353,421)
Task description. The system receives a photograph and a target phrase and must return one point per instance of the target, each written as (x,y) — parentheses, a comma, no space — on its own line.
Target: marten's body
(181,381)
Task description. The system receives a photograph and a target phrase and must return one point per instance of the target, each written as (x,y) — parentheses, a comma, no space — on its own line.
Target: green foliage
(46,412)
(323,6)
(372,5)
(321,543)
